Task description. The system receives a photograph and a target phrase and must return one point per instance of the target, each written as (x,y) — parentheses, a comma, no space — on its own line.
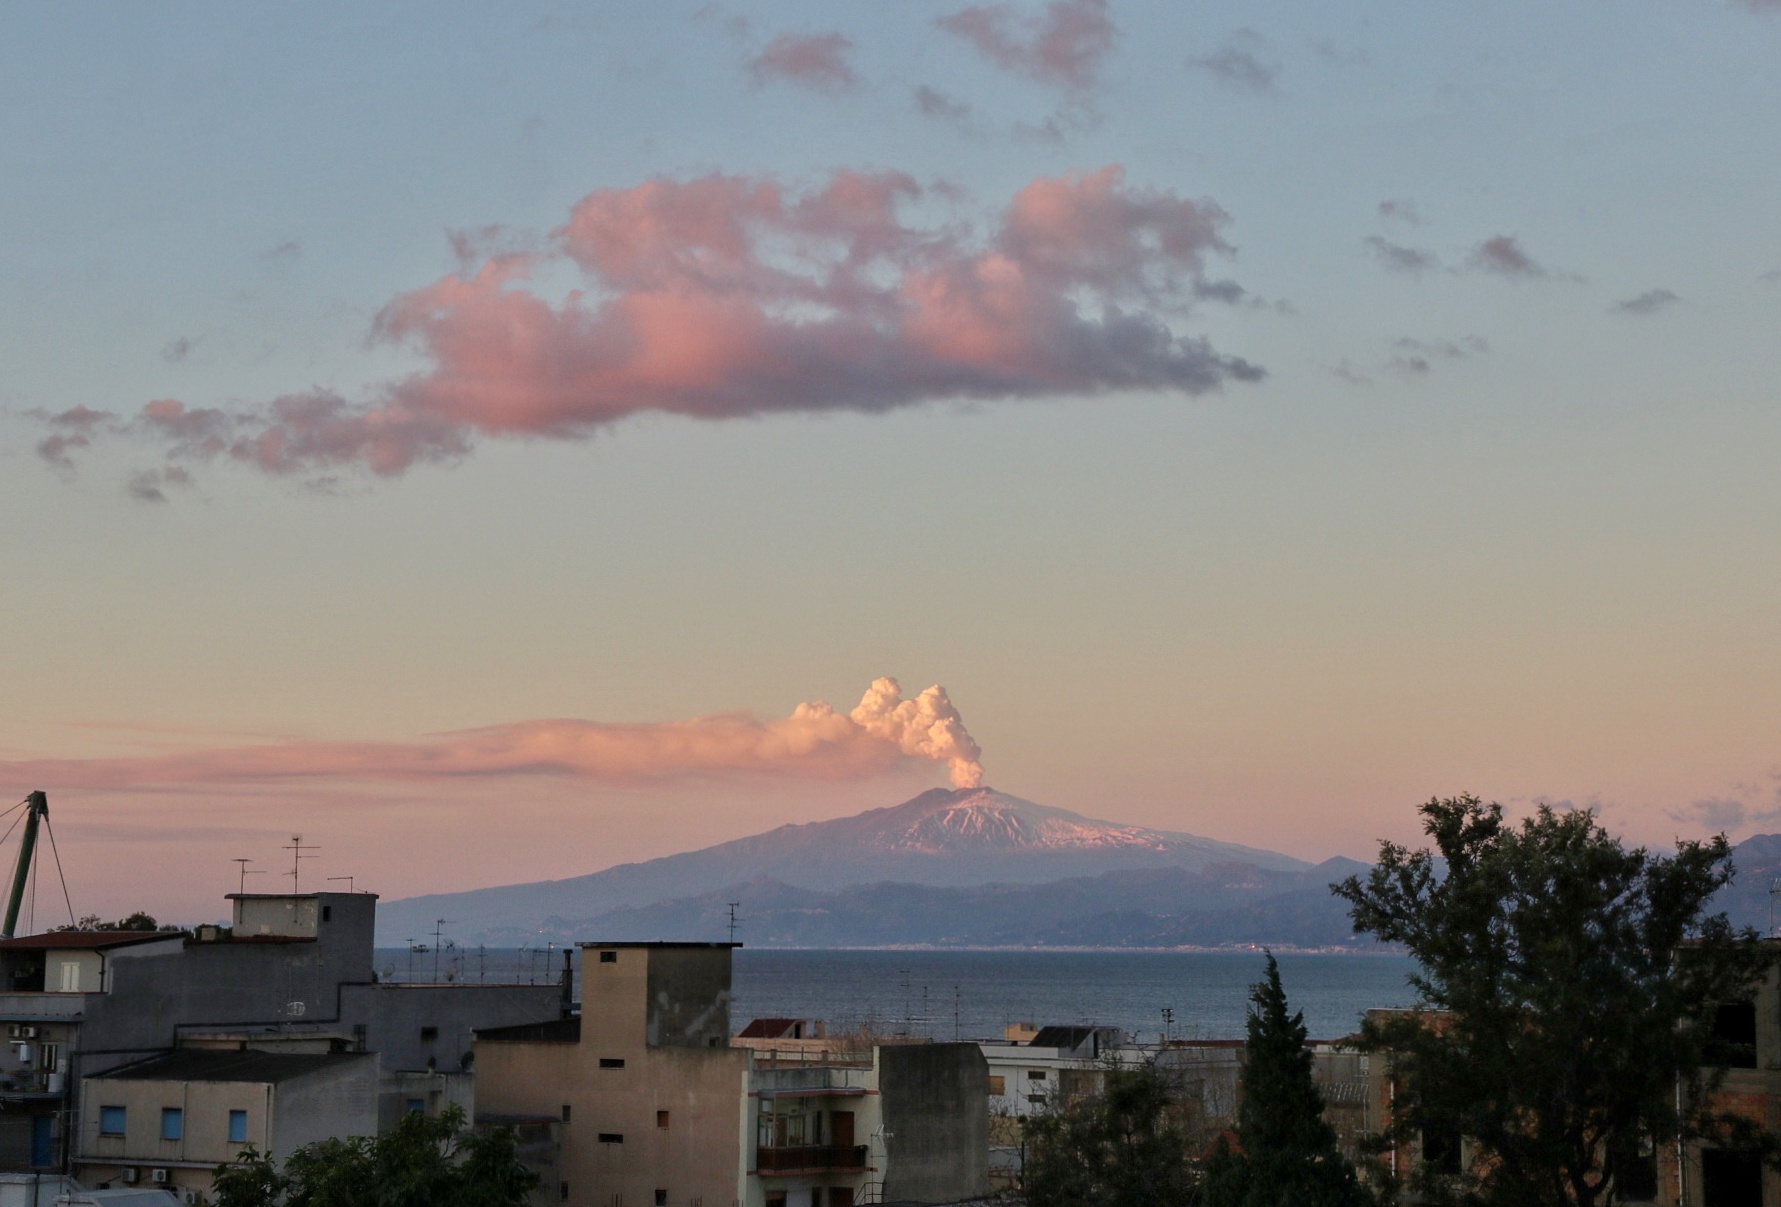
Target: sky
(499,442)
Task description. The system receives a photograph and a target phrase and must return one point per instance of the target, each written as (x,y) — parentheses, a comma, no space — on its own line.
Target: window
(49,1056)
(565,1112)
(327,913)
(237,1127)
(998,1085)
(429,1034)
(661,1198)
(662,1120)
(111,1121)
(415,1106)
(1035,1074)
(1733,1042)
(611,1138)
(173,1123)
(609,1062)
(1036,1099)
(71,977)
(563,1191)
(609,957)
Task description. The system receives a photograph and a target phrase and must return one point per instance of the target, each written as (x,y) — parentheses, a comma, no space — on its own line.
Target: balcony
(821,1081)
(810,1158)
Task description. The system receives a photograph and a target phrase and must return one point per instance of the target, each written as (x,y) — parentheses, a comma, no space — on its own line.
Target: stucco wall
(935,1104)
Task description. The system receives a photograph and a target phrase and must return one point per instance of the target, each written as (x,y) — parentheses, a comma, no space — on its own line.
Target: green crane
(36,811)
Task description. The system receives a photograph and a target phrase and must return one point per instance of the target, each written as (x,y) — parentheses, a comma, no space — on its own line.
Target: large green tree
(1568,987)
(426,1161)
(1119,1148)
(1287,1151)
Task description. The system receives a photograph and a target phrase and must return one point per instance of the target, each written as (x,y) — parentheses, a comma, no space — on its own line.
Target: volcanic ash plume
(928,726)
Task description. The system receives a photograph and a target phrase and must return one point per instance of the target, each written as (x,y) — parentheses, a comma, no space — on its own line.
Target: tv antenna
(734,905)
(1774,891)
(296,849)
(438,930)
(246,872)
(349,883)
(1168,1024)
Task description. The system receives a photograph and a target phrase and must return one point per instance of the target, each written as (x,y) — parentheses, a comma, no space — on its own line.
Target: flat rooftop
(654,944)
(202,1064)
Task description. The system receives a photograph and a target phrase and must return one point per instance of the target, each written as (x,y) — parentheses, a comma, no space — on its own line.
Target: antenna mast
(733,907)
(297,857)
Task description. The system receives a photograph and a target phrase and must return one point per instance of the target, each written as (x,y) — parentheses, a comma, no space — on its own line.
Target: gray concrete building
(293,974)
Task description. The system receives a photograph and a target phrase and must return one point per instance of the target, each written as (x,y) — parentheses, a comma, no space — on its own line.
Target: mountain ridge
(941,838)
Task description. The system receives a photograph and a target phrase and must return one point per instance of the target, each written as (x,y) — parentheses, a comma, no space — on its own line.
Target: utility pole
(438,930)
(246,872)
(297,857)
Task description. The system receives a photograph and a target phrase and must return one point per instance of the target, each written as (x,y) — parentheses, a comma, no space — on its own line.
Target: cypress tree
(1288,1154)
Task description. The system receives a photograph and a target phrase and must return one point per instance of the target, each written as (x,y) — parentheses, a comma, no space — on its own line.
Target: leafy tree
(1568,988)
(1288,1152)
(136,921)
(1118,1148)
(427,1161)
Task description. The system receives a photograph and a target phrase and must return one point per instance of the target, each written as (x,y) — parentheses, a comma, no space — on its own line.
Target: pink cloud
(815,741)
(728,296)
(1503,254)
(816,61)
(1063,48)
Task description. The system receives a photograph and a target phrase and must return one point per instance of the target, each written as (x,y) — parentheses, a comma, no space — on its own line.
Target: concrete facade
(280,1102)
(294,974)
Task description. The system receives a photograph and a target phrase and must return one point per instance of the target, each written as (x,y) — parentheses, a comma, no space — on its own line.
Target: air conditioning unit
(14,1031)
(28,1032)
(158,1176)
(188,1196)
(130,1174)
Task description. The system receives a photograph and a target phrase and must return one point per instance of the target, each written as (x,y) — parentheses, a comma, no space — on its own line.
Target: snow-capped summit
(951,837)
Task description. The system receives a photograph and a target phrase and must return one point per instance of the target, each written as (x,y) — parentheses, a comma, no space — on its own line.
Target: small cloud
(1771,277)
(1239,69)
(930,102)
(1400,210)
(1503,255)
(290,249)
(1722,813)
(1063,48)
(1348,373)
(1226,291)
(145,486)
(1649,302)
(1416,357)
(1399,258)
(814,61)
(177,350)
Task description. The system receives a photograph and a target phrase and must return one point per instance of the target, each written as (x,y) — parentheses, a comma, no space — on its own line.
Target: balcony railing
(832,1157)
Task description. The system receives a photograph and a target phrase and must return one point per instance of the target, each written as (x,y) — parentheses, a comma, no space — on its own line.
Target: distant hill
(965,838)
(1757,865)
(1220,905)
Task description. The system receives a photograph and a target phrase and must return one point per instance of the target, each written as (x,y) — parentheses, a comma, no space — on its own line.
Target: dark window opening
(609,957)
(565,1112)
(416,1106)
(327,913)
(1730,1178)
(612,1062)
(563,1190)
(1035,1074)
(662,1119)
(429,1034)
(661,1198)
(612,1138)
(1635,1179)
(1440,1151)
(1733,1043)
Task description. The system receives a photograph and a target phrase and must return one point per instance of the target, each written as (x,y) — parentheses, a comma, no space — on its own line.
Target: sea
(976,994)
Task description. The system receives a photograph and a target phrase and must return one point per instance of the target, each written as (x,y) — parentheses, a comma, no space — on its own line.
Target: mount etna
(969,867)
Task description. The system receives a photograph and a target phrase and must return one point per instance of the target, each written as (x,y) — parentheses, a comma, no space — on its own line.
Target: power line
(66,899)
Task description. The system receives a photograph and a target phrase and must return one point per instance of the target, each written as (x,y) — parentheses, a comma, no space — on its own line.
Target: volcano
(944,837)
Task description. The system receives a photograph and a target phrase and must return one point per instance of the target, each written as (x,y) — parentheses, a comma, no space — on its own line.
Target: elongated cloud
(1063,48)
(729,296)
(814,741)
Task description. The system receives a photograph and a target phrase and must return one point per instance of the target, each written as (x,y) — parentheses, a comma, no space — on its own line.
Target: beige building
(648,1091)
(171,1120)
(656,1104)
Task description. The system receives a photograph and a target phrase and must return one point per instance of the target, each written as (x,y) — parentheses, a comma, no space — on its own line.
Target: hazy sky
(1258,417)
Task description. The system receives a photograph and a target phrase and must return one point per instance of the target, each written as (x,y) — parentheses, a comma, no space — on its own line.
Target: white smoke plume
(928,726)
(815,741)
